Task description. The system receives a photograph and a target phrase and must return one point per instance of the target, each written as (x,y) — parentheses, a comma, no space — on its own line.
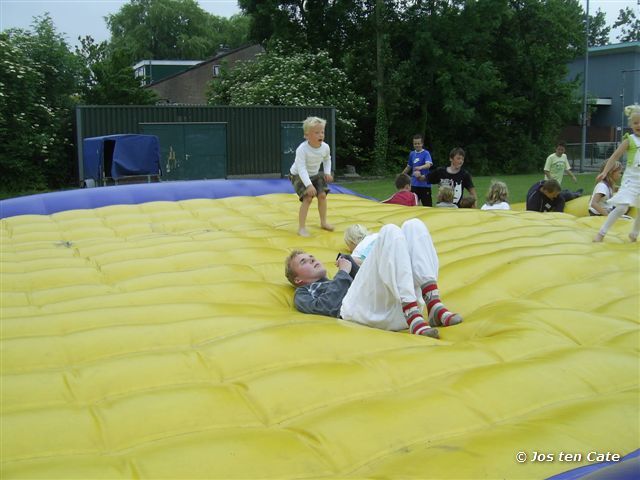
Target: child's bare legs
(302,215)
(322,209)
(613,216)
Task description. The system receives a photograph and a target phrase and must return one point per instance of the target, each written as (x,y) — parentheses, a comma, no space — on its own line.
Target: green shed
(204,142)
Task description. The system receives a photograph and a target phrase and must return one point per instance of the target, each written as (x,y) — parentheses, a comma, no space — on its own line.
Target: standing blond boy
(305,173)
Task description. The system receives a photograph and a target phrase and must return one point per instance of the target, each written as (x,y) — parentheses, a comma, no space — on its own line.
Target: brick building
(190,86)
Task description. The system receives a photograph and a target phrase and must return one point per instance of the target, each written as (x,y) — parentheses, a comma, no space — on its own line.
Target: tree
(381,136)
(281,77)
(38,83)
(171,29)
(488,76)
(327,25)
(107,78)
(598,30)
(534,43)
(629,26)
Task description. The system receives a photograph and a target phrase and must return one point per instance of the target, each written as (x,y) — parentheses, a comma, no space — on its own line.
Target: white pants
(400,262)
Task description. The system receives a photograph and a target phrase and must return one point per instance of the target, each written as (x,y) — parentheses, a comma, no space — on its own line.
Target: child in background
(454,176)
(418,166)
(544,196)
(359,242)
(604,190)
(445,197)
(556,164)
(306,180)
(404,195)
(629,193)
(497,197)
(468,202)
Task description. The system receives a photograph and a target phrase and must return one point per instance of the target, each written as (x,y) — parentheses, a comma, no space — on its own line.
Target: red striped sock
(439,315)
(430,291)
(416,322)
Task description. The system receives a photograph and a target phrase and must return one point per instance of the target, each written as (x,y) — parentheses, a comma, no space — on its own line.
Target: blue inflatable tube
(627,468)
(48,203)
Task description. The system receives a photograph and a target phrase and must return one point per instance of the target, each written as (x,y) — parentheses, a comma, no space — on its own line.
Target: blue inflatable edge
(88,198)
(627,468)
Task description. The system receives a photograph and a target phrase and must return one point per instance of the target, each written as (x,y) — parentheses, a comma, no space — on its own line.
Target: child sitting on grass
(497,197)
(445,197)
(404,195)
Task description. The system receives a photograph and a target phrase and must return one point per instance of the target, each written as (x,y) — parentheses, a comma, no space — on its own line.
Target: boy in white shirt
(556,164)
(305,176)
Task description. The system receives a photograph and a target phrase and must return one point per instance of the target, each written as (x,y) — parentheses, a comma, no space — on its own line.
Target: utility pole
(583,146)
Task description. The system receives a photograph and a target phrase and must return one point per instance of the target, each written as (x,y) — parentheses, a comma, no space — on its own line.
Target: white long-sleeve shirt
(308,160)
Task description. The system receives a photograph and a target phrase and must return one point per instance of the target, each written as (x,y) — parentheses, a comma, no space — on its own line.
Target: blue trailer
(115,159)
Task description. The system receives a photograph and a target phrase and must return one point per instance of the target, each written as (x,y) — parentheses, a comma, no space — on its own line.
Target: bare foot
(633,237)
(326,226)
(303,232)
(598,238)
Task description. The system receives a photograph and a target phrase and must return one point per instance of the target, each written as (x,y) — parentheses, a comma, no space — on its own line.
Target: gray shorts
(316,180)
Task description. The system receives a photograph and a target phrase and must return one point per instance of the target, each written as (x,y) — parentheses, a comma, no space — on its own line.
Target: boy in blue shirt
(418,166)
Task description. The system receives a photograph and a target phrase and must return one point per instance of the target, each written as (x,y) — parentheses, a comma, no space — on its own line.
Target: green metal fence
(595,155)
(209,141)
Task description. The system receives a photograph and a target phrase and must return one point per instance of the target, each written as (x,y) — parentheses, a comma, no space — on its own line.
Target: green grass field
(381,188)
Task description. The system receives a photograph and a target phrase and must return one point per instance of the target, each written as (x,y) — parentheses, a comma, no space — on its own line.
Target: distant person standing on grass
(418,167)
(454,176)
(305,176)
(556,164)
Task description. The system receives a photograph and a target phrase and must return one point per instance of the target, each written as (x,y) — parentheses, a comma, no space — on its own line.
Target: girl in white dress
(629,193)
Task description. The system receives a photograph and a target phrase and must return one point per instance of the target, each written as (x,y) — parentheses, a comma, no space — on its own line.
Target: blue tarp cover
(132,155)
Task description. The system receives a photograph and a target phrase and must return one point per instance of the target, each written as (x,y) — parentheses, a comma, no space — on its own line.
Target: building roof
(166,62)
(219,55)
(626,47)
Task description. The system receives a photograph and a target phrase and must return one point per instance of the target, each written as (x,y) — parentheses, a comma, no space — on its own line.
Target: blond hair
(498,192)
(289,271)
(609,178)
(445,194)
(311,122)
(354,235)
(631,111)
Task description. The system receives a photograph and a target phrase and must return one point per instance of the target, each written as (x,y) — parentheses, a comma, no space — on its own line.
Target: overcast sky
(75,18)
